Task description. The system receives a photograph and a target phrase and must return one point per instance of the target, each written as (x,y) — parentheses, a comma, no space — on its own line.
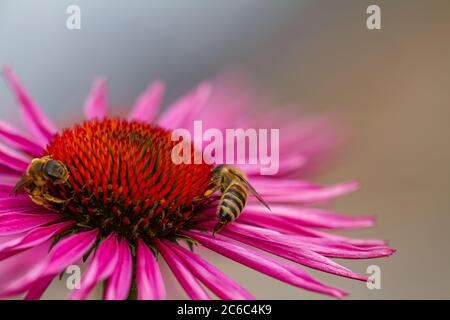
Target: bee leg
(214,186)
(39,200)
(52,200)
(35,195)
(209,192)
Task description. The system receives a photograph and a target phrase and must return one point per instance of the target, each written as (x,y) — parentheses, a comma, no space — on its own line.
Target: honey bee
(234,187)
(40,173)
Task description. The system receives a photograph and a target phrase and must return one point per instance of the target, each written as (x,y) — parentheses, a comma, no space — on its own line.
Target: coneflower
(126,204)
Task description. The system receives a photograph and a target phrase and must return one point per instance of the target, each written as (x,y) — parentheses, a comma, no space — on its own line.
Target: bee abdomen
(232,202)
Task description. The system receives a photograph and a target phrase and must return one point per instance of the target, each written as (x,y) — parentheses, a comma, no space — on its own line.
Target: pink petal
(118,285)
(38,288)
(17,140)
(286,166)
(9,179)
(314,138)
(96,105)
(218,282)
(230,96)
(310,196)
(146,107)
(20,204)
(277,269)
(13,160)
(182,113)
(11,202)
(302,250)
(5,255)
(101,267)
(149,282)
(20,222)
(34,118)
(283,185)
(69,250)
(284,226)
(186,279)
(7,170)
(318,141)
(18,272)
(33,237)
(19,200)
(310,217)
(328,247)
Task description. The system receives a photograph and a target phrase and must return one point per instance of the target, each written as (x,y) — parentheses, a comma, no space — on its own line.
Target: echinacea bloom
(129,206)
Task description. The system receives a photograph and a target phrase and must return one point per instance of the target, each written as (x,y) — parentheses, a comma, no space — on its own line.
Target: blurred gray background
(390,87)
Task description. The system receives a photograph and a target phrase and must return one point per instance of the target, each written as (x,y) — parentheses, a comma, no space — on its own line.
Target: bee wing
(252,190)
(23,182)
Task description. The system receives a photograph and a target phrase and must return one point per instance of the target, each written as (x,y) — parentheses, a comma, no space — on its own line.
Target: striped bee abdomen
(234,187)
(232,202)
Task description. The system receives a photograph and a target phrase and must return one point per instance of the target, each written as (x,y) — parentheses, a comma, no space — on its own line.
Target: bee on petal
(234,186)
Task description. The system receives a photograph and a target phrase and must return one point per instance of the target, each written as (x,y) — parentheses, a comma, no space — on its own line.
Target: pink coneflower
(128,205)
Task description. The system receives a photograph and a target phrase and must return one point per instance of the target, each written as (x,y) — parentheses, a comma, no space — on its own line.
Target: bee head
(56,170)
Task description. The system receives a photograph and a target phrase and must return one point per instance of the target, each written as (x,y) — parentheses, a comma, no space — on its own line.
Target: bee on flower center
(41,173)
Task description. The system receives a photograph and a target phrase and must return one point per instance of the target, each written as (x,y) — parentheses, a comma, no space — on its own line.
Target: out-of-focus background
(391,87)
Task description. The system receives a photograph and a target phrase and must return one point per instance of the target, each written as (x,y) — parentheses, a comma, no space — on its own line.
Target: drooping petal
(260,239)
(182,112)
(119,283)
(301,250)
(5,255)
(147,105)
(310,217)
(13,160)
(15,139)
(286,166)
(184,276)
(38,288)
(21,222)
(284,226)
(219,283)
(96,105)
(69,250)
(308,196)
(328,247)
(278,186)
(263,263)
(34,118)
(149,282)
(101,267)
(33,237)
(19,271)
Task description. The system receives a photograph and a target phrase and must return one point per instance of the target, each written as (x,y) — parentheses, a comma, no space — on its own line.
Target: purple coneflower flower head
(107,192)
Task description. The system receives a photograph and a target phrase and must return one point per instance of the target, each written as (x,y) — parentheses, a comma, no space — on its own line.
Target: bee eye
(53,169)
